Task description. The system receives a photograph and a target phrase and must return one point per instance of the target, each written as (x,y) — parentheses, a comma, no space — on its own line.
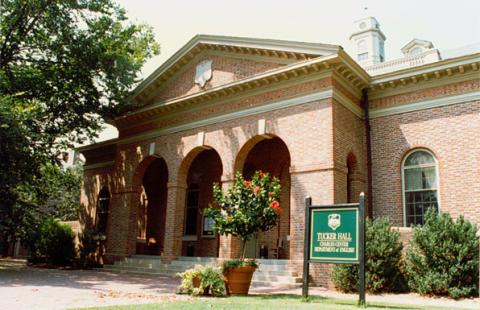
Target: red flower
(275,205)
(248,183)
(256,190)
(261,174)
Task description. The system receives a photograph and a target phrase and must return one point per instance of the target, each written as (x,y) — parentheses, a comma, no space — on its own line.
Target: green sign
(334,235)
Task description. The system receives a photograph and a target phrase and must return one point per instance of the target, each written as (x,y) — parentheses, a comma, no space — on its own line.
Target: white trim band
(423,105)
(232,115)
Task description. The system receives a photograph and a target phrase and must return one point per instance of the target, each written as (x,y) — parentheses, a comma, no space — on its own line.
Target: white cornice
(427,104)
(347,103)
(276,105)
(428,68)
(235,97)
(96,145)
(99,165)
(253,43)
(421,85)
(284,69)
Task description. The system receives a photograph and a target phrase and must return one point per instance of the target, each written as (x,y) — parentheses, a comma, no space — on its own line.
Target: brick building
(330,126)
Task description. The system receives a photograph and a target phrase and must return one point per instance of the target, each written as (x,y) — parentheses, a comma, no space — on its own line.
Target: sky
(448,24)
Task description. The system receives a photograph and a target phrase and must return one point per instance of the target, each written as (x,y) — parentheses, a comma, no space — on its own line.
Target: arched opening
(101,223)
(269,155)
(103,203)
(198,236)
(152,209)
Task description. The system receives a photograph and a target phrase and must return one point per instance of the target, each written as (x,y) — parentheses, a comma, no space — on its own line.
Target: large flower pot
(237,280)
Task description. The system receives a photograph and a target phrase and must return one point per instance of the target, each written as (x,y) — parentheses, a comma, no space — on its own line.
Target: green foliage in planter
(383,263)
(211,281)
(247,207)
(234,263)
(443,257)
(53,243)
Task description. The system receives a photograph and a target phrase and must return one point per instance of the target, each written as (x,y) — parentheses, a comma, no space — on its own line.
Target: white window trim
(437,185)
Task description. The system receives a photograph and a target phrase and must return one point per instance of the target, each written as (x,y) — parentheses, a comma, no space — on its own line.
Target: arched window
(102,210)
(420,186)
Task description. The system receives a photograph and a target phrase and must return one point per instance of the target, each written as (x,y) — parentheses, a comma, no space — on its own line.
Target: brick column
(229,247)
(316,181)
(174,221)
(121,236)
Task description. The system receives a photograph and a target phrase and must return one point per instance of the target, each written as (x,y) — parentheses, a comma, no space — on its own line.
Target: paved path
(23,287)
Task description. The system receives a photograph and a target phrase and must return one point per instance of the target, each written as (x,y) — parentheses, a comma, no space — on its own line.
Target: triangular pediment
(416,46)
(209,61)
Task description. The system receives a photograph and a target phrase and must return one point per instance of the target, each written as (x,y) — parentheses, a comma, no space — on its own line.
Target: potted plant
(202,280)
(246,208)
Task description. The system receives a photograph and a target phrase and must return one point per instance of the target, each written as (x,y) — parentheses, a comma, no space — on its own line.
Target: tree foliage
(65,66)
(247,207)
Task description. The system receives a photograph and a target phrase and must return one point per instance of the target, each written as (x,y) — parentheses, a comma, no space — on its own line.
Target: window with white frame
(420,186)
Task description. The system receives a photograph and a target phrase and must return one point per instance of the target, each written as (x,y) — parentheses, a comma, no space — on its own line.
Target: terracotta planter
(237,280)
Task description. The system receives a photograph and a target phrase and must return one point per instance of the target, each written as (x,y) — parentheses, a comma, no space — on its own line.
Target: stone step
(270,272)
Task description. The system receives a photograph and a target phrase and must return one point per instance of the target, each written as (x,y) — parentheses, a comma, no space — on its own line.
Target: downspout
(365,106)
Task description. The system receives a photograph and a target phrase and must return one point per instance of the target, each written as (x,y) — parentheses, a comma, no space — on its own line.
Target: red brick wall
(225,70)
(452,134)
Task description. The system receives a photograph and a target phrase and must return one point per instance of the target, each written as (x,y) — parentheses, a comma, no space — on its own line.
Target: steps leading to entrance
(270,272)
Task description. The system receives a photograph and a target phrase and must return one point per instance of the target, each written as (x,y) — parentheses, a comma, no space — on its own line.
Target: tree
(247,207)
(65,66)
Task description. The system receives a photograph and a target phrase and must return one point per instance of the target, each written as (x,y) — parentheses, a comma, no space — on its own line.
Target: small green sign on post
(334,235)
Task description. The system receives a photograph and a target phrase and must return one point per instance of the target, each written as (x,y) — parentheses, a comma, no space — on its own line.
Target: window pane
(429,177)
(418,203)
(192,212)
(413,179)
(419,158)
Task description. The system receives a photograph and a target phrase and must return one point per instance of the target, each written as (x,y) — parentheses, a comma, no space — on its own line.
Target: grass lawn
(268,302)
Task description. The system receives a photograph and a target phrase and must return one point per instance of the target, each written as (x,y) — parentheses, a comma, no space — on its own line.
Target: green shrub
(443,257)
(211,281)
(88,247)
(383,263)
(53,243)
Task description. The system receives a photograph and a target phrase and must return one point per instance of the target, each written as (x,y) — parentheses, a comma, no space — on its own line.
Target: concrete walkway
(23,287)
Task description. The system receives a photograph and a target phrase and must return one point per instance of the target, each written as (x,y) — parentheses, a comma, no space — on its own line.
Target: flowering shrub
(248,207)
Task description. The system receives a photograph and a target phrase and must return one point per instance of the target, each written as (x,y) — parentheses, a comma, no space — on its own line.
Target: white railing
(402,63)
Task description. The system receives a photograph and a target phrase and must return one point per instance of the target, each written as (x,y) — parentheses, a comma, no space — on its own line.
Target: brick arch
(186,162)
(199,169)
(270,154)
(144,201)
(249,145)
(142,167)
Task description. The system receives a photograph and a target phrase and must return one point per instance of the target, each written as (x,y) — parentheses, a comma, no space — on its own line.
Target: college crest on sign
(203,73)
(334,221)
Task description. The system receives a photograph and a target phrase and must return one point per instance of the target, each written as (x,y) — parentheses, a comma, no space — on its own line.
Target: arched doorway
(101,223)
(269,155)
(152,208)
(198,238)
